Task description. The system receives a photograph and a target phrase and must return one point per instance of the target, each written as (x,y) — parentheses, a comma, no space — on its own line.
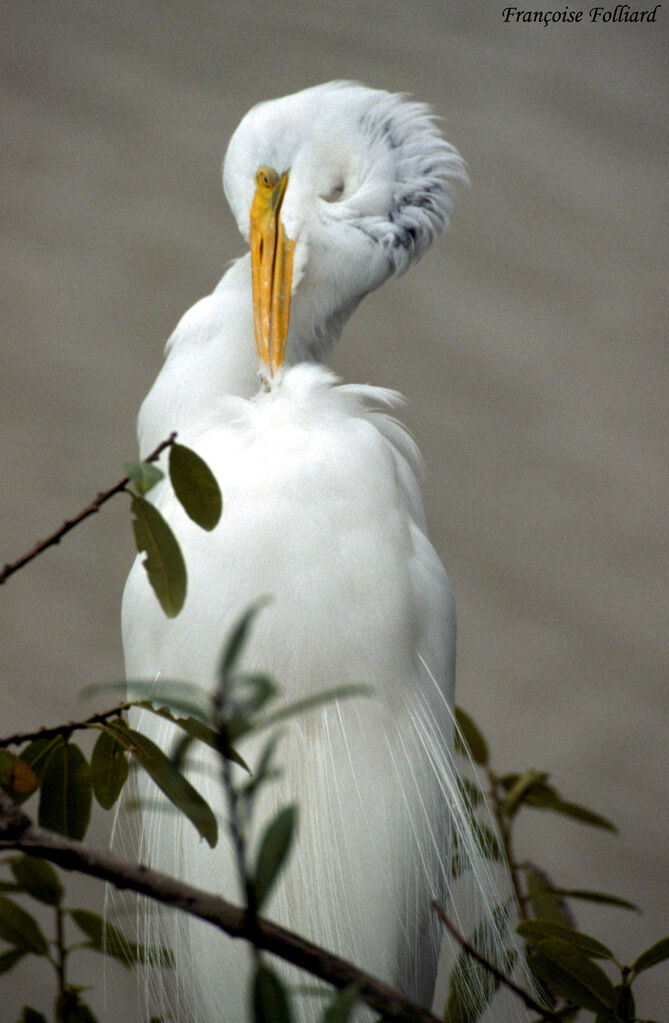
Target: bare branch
(69,524)
(18,832)
(525,996)
(71,726)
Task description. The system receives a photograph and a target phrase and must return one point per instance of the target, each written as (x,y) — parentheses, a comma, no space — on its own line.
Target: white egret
(337,188)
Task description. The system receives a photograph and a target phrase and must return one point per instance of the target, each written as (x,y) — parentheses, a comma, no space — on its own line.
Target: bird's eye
(335,193)
(267,177)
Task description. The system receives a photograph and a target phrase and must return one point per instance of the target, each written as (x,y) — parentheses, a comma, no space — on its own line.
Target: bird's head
(336,188)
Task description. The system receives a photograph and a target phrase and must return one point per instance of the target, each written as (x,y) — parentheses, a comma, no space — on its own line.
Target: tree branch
(90,509)
(71,726)
(18,832)
(526,997)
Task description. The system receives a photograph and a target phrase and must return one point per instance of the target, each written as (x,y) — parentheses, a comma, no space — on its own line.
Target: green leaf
(8,960)
(164,561)
(600,897)
(17,778)
(20,929)
(269,997)
(193,727)
(105,938)
(175,694)
(522,789)
(572,974)
(324,696)
(534,930)
(657,953)
(468,737)
(264,771)
(342,1006)
(237,639)
(195,486)
(109,769)
(38,878)
(170,780)
(67,793)
(544,797)
(274,848)
(545,902)
(144,475)
(31,1016)
(71,1009)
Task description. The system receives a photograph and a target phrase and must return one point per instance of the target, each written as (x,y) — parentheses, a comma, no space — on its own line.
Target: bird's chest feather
(312,521)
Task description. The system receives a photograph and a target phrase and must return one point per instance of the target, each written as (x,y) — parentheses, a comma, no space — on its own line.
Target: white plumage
(323,512)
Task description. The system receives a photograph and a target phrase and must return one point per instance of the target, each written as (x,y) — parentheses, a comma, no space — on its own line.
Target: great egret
(336,188)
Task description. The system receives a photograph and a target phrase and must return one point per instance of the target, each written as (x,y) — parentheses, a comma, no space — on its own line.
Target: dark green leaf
(469,737)
(171,781)
(521,790)
(144,475)
(31,1016)
(195,486)
(109,769)
(67,793)
(38,878)
(173,692)
(106,938)
(657,953)
(544,797)
(274,848)
(8,960)
(264,771)
(545,902)
(573,975)
(601,897)
(20,929)
(195,728)
(342,1006)
(164,561)
(245,697)
(237,639)
(71,1009)
(534,930)
(270,997)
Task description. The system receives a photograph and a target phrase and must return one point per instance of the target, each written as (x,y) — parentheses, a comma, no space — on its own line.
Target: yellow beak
(271,269)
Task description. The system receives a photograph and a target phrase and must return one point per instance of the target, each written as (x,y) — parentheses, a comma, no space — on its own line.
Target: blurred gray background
(529,344)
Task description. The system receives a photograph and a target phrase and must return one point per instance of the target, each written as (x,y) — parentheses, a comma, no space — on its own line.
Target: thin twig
(71,726)
(505,833)
(526,997)
(69,524)
(17,831)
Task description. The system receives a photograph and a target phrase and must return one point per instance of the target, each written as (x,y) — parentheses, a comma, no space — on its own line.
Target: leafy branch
(54,538)
(17,831)
(561,958)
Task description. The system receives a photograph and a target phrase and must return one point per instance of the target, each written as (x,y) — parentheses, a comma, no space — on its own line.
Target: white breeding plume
(337,188)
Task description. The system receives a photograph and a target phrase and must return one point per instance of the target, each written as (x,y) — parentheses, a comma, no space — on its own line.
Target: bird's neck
(212,354)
